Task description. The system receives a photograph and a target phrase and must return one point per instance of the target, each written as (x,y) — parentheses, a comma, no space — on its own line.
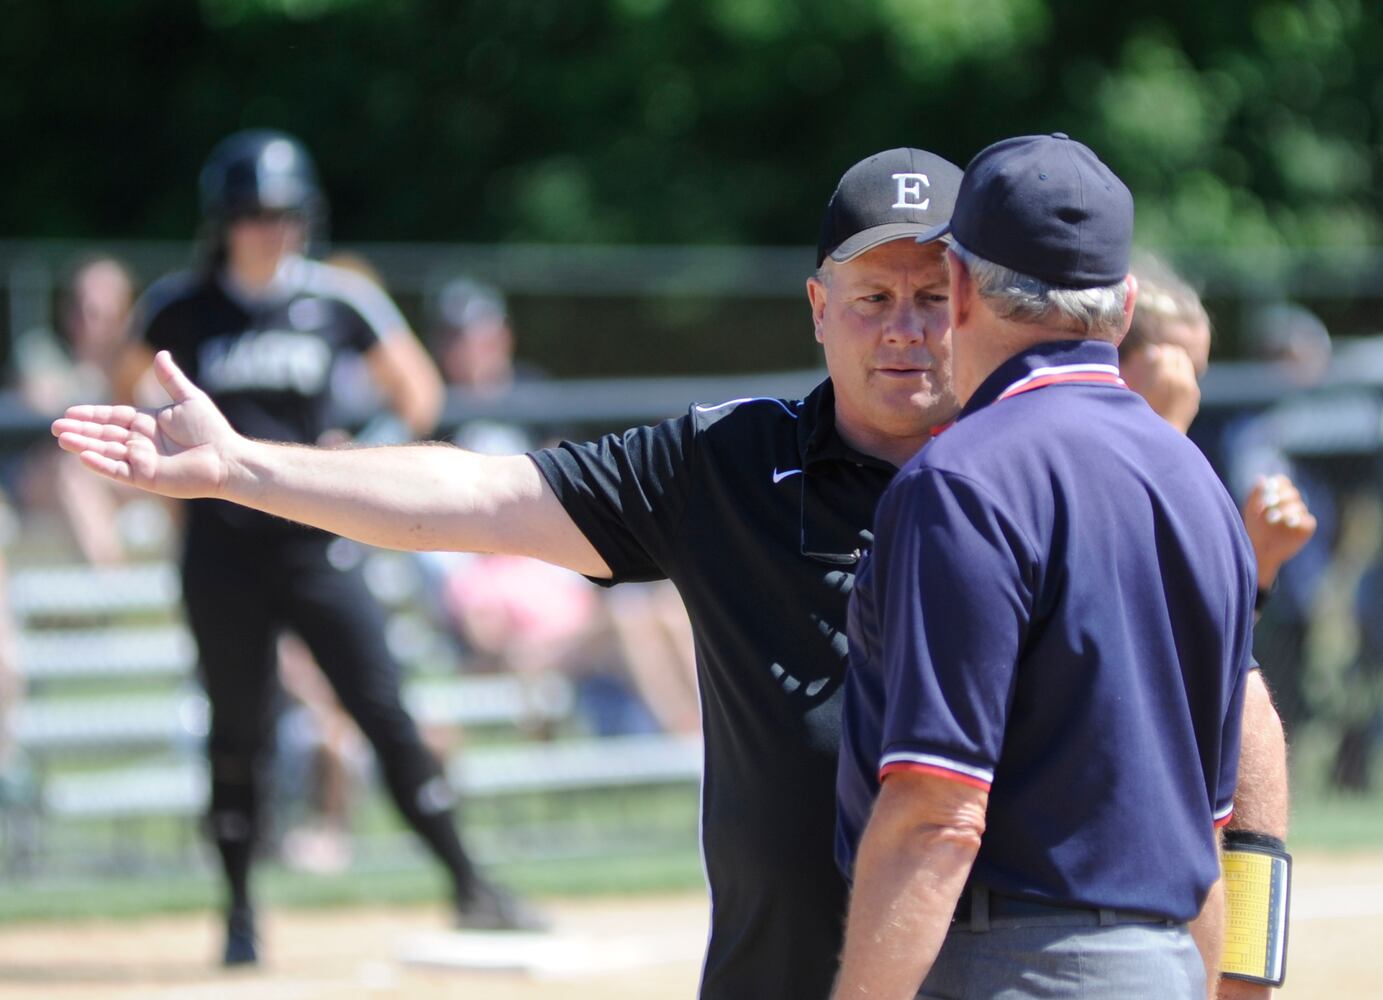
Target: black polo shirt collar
(1050,354)
(818,441)
(829,466)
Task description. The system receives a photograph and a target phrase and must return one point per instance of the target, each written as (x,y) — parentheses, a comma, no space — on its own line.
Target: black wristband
(1250,839)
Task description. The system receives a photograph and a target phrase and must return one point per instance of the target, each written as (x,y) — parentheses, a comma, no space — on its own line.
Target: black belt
(981,908)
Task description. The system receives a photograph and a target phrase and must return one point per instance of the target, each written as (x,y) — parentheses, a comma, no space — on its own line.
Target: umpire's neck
(981,340)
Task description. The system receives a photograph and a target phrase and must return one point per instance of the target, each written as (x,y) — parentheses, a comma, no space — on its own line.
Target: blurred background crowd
(594,212)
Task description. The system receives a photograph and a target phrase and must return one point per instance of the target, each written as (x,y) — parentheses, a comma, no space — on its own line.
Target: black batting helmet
(260,170)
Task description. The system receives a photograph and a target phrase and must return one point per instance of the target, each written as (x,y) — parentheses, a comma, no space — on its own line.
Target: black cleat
(489,908)
(240,938)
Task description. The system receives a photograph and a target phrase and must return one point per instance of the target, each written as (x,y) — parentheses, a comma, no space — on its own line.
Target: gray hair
(1020,298)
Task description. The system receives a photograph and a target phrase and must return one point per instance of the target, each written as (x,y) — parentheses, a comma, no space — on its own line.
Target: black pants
(241,590)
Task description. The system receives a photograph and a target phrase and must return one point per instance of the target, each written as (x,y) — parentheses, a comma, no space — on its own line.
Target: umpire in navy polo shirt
(1051,640)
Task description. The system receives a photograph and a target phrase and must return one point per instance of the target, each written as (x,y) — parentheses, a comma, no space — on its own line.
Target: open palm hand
(181,450)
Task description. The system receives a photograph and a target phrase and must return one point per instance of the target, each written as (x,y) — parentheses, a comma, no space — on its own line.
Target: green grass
(613,842)
(601,841)
(125,896)
(1335,822)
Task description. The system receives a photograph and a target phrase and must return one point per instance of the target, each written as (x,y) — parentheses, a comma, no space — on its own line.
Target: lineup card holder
(1257,889)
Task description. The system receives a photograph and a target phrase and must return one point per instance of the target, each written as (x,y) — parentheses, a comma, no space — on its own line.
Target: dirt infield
(649,948)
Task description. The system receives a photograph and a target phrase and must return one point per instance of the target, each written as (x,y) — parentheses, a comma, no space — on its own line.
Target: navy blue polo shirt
(1058,608)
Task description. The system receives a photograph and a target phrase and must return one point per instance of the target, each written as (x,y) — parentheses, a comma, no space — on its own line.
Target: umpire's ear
(962,287)
(1130,301)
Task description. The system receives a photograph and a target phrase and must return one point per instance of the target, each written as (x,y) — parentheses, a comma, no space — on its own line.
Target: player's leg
(342,624)
(228,615)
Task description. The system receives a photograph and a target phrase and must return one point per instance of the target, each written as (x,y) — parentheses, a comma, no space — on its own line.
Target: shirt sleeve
(627,493)
(954,583)
(1222,801)
(376,316)
(145,324)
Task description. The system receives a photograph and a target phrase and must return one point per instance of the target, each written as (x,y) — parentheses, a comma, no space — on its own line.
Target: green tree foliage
(666,121)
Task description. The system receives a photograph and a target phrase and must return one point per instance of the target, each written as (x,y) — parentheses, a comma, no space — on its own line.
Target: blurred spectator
(474,341)
(1167,348)
(1343,676)
(630,657)
(1281,440)
(1163,357)
(76,362)
(1317,640)
(84,359)
(1291,336)
(11,684)
(1331,598)
(474,344)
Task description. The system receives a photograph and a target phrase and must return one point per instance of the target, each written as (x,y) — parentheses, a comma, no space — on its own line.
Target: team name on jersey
(269,360)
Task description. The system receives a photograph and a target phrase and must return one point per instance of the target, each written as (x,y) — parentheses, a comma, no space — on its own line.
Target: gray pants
(1032,961)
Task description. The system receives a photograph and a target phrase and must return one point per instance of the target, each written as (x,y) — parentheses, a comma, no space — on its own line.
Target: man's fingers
(77,442)
(120,416)
(178,386)
(1275,493)
(108,467)
(80,444)
(91,429)
(1295,515)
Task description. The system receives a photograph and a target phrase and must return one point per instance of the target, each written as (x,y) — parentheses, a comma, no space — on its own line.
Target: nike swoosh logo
(778,477)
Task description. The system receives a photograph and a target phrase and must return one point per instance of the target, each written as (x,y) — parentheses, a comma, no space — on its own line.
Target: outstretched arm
(410,497)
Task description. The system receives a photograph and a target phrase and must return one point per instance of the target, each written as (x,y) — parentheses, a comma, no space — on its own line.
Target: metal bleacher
(113,723)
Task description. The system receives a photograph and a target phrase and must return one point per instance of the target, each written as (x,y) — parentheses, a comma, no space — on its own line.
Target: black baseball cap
(889,196)
(1045,206)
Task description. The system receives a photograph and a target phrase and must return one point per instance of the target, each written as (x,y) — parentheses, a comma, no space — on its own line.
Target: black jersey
(266,360)
(757,511)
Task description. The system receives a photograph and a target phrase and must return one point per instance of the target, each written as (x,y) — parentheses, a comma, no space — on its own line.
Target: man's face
(883,321)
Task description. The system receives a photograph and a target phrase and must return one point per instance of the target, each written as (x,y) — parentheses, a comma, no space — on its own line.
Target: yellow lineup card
(1256,884)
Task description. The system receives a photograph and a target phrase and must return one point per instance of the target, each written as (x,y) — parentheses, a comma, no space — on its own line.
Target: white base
(558,955)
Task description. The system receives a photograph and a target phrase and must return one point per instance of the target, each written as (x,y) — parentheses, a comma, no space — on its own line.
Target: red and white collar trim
(1057,374)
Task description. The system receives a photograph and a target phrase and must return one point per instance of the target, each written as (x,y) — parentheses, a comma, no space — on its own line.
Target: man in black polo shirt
(1050,643)
(756,508)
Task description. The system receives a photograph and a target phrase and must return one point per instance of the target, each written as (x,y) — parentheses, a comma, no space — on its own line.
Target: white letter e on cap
(910,191)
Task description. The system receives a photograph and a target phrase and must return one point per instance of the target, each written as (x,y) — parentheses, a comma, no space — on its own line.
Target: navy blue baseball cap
(889,196)
(1045,206)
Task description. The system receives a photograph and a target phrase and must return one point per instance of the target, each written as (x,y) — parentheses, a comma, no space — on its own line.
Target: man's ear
(816,295)
(1130,301)
(961,288)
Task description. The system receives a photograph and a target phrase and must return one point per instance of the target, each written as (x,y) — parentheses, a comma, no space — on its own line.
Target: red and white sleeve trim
(942,767)
(1223,816)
